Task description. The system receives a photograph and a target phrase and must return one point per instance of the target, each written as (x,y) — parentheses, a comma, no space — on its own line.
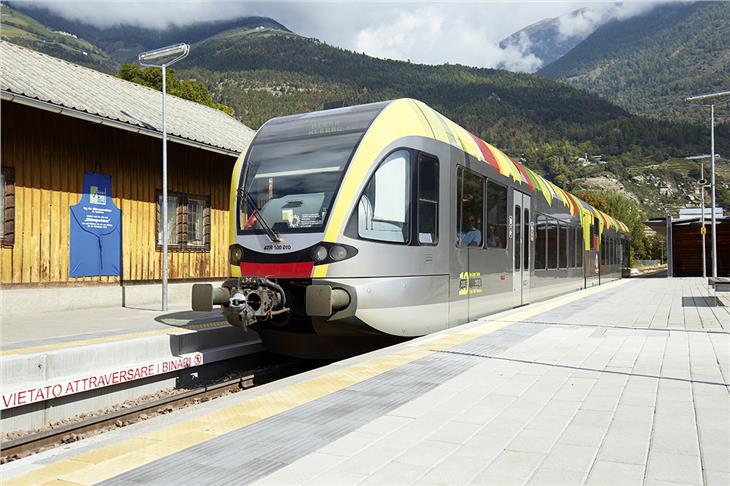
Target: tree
(187,89)
(625,210)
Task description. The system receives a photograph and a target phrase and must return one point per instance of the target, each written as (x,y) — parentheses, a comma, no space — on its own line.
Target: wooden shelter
(684,252)
(60,120)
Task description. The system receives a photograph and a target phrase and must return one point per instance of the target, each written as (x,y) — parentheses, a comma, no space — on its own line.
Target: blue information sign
(96,230)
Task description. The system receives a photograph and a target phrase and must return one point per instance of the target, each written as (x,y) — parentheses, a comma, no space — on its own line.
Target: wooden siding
(50,153)
(687,250)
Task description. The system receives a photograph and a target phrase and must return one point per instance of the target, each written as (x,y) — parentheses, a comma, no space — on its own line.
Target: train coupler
(243,302)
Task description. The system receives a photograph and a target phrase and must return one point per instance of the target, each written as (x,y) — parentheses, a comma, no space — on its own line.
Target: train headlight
(338,253)
(235,254)
(319,254)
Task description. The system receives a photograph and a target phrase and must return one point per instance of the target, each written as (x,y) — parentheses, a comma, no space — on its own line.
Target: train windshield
(294,169)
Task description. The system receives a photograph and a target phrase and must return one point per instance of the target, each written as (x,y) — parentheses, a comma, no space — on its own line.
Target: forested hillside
(650,63)
(579,140)
(29,32)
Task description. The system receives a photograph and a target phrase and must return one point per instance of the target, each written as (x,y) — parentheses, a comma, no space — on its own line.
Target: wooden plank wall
(687,250)
(50,154)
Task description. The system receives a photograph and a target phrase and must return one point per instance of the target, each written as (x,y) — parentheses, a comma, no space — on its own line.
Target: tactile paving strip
(252,452)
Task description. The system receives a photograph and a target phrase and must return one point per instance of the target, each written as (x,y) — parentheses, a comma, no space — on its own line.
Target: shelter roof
(46,82)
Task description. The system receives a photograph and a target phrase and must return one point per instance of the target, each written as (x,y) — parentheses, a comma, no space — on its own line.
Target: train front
(285,192)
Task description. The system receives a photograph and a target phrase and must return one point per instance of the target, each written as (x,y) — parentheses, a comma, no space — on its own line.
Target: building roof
(40,80)
(660,224)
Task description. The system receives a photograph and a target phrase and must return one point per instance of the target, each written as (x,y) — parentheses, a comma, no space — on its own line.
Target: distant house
(60,120)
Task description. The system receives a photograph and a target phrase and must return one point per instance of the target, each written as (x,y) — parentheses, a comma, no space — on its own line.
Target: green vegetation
(260,70)
(26,31)
(547,124)
(648,64)
(643,247)
(186,89)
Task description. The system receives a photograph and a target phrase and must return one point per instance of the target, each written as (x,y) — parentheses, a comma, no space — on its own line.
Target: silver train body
(355,227)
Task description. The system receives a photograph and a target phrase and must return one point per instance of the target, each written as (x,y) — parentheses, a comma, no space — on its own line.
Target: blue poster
(96,230)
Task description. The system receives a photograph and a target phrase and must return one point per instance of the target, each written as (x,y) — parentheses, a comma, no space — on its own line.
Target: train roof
(445,130)
(405,116)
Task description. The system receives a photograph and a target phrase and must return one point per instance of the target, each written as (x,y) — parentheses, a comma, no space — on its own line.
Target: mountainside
(549,125)
(29,32)
(263,70)
(122,43)
(544,39)
(649,63)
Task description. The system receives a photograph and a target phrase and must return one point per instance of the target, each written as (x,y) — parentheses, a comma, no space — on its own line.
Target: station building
(684,242)
(60,121)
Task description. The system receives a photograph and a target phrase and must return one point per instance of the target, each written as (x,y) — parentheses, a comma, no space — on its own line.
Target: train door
(459,265)
(523,234)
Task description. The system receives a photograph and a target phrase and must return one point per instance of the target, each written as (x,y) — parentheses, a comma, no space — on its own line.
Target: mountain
(650,63)
(26,31)
(545,40)
(122,43)
(262,70)
(550,125)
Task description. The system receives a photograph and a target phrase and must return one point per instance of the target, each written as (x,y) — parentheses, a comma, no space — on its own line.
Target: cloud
(432,33)
(436,34)
(583,22)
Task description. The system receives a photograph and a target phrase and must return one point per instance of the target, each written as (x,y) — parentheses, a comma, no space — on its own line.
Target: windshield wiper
(251,205)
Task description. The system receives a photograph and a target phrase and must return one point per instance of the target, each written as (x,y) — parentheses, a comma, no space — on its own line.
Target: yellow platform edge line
(108,339)
(92,467)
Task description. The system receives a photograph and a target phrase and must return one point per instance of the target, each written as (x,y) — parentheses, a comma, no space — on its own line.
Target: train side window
(540,242)
(603,249)
(579,247)
(471,201)
(610,251)
(518,243)
(613,251)
(384,208)
(563,246)
(570,239)
(526,235)
(496,215)
(552,243)
(428,204)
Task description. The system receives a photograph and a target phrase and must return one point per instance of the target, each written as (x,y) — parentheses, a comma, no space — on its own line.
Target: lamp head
(155,57)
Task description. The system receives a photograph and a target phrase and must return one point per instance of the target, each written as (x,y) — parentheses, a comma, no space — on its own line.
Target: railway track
(39,441)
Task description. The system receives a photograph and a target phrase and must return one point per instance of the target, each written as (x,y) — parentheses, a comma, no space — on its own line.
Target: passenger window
(526,236)
(552,243)
(428,205)
(496,215)
(518,236)
(563,246)
(579,247)
(384,208)
(603,249)
(471,204)
(540,242)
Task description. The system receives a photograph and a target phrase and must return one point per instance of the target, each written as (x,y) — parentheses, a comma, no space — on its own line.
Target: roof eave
(92,118)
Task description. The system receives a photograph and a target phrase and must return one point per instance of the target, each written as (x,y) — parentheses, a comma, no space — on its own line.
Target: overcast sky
(425,32)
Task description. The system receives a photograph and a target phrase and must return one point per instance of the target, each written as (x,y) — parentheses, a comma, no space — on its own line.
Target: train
(356,227)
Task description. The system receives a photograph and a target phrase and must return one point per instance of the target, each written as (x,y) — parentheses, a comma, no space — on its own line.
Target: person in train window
(493,241)
(472,236)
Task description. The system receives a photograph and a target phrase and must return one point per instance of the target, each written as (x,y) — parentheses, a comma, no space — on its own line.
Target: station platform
(625,383)
(54,365)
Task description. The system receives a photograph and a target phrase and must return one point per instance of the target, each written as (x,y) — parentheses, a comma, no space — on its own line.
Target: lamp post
(712,169)
(703,184)
(162,58)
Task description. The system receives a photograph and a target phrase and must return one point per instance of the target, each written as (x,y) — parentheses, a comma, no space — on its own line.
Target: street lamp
(164,57)
(712,175)
(703,183)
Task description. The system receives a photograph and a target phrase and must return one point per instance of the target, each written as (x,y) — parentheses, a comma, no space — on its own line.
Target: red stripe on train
(278,270)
